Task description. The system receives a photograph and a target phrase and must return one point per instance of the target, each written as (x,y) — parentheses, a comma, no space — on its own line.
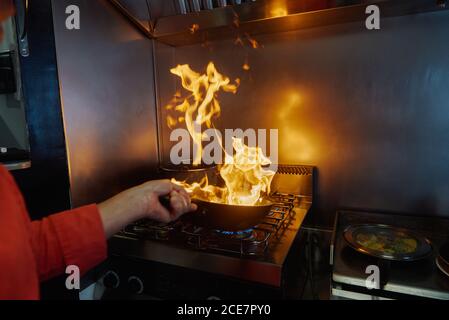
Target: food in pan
(388,244)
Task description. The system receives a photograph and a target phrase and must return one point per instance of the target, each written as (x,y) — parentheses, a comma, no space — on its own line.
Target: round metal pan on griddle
(387,242)
(444,268)
(444,253)
(442,260)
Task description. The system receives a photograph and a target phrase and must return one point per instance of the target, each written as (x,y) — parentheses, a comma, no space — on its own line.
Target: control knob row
(111,280)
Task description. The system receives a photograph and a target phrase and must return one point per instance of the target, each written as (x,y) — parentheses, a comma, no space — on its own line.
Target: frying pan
(227,217)
(213,215)
(423,247)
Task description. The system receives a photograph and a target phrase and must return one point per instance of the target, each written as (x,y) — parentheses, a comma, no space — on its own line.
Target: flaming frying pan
(220,216)
(229,217)
(226,217)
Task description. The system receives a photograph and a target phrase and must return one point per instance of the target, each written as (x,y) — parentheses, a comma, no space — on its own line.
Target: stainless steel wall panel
(369,108)
(107,91)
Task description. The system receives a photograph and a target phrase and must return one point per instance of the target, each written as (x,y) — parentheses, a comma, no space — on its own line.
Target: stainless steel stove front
(262,263)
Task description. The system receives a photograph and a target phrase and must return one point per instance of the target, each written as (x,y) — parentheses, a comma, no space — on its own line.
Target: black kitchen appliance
(182,260)
(7,76)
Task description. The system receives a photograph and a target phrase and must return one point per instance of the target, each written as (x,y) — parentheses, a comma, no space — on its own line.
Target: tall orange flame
(245,178)
(202,105)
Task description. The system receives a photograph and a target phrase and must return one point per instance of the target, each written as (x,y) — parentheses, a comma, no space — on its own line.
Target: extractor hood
(185,22)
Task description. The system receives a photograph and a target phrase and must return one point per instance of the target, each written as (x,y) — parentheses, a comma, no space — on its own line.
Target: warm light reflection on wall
(294,143)
(278,9)
(278,12)
(84,163)
(139,143)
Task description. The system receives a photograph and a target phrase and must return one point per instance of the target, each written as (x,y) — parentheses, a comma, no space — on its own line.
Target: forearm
(73,237)
(118,212)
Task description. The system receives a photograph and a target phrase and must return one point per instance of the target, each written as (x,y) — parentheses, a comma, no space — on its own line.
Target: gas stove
(181,260)
(251,242)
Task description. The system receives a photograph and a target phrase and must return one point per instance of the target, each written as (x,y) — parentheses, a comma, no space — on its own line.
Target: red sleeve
(73,237)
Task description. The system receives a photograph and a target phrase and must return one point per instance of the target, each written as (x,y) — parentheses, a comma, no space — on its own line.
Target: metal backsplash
(368,108)
(107,92)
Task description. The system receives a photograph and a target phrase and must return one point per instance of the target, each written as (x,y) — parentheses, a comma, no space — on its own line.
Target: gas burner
(247,242)
(236,235)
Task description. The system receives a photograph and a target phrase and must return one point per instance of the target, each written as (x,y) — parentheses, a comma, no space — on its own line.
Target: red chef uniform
(31,252)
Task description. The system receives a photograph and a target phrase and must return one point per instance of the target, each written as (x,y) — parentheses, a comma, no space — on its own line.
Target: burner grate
(149,229)
(246,243)
(249,242)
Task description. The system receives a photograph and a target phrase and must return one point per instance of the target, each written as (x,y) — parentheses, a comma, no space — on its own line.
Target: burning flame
(243,172)
(245,177)
(202,105)
(194,28)
(253,42)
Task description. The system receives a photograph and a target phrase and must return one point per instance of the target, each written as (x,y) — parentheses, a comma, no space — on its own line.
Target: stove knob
(135,285)
(111,280)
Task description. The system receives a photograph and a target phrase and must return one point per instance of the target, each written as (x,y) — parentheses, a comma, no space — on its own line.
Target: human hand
(149,196)
(144,202)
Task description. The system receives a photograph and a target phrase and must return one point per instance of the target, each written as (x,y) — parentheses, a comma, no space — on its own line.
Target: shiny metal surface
(195,5)
(208,4)
(369,109)
(274,16)
(107,92)
(443,266)
(137,12)
(170,21)
(139,8)
(182,8)
(267,270)
(266,267)
(423,248)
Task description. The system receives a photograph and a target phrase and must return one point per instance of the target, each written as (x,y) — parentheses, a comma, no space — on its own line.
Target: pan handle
(165,202)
